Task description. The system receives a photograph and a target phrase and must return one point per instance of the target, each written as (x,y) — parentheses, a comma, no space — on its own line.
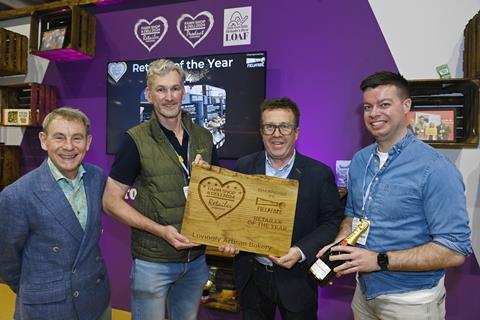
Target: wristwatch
(382,261)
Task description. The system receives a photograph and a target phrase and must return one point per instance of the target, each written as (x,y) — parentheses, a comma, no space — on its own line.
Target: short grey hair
(68,114)
(161,67)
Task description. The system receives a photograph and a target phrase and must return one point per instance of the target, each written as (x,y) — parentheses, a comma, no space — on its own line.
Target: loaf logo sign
(237,23)
(195,29)
(116,70)
(220,198)
(151,33)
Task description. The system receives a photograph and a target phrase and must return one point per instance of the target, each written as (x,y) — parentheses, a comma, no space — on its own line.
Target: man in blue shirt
(414,199)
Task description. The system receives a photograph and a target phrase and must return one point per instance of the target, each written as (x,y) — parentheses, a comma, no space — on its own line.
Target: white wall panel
(423,34)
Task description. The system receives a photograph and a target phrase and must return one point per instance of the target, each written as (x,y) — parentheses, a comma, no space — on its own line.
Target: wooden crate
(79,34)
(13,53)
(471,50)
(9,165)
(39,99)
(461,95)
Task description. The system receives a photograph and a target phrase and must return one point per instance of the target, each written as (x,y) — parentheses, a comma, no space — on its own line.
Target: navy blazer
(318,215)
(47,259)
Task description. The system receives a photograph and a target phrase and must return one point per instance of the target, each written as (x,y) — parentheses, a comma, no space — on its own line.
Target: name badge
(363,238)
(185,191)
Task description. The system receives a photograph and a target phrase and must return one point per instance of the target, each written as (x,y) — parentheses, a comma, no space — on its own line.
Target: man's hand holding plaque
(252,212)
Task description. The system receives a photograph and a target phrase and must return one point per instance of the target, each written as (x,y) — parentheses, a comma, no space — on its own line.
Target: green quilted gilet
(160,185)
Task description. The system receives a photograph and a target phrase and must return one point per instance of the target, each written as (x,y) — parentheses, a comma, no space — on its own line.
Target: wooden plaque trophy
(253,212)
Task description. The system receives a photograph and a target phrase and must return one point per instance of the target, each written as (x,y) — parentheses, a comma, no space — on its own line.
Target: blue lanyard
(366,193)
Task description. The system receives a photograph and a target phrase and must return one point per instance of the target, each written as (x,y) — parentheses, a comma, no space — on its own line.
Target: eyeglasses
(285,129)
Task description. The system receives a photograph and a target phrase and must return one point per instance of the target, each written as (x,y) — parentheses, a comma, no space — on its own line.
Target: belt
(264,267)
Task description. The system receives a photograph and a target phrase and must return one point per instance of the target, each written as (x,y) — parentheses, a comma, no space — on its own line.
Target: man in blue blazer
(284,282)
(50,226)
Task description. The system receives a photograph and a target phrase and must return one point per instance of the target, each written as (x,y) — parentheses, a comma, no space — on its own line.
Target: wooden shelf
(471,54)
(13,53)
(461,95)
(9,165)
(63,34)
(37,99)
(26,11)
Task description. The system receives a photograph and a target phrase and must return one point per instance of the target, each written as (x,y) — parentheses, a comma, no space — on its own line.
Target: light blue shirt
(417,197)
(279,173)
(74,191)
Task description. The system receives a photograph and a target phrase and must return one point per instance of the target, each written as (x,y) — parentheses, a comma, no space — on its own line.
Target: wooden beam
(22,12)
(15,4)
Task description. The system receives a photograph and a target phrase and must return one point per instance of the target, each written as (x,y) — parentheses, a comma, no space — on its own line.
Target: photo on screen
(432,124)
(222,93)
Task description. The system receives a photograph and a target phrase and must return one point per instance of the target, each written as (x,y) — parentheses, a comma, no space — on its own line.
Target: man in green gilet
(155,158)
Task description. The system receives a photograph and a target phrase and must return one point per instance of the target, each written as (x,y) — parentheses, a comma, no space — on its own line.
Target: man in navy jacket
(267,282)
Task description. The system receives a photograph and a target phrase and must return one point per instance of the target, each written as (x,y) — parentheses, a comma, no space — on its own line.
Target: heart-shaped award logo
(116,70)
(151,33)
(195,29)
(220,198)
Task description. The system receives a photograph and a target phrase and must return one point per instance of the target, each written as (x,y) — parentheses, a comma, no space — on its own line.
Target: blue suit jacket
(317,218)
(47,259)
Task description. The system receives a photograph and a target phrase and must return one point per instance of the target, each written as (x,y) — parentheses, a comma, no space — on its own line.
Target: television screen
(222,93)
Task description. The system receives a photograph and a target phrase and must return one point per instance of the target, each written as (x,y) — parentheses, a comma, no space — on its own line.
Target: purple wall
(318,52)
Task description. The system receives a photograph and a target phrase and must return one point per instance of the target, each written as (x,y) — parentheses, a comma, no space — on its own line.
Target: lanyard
(366,193)
(181,160)
(182,163)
